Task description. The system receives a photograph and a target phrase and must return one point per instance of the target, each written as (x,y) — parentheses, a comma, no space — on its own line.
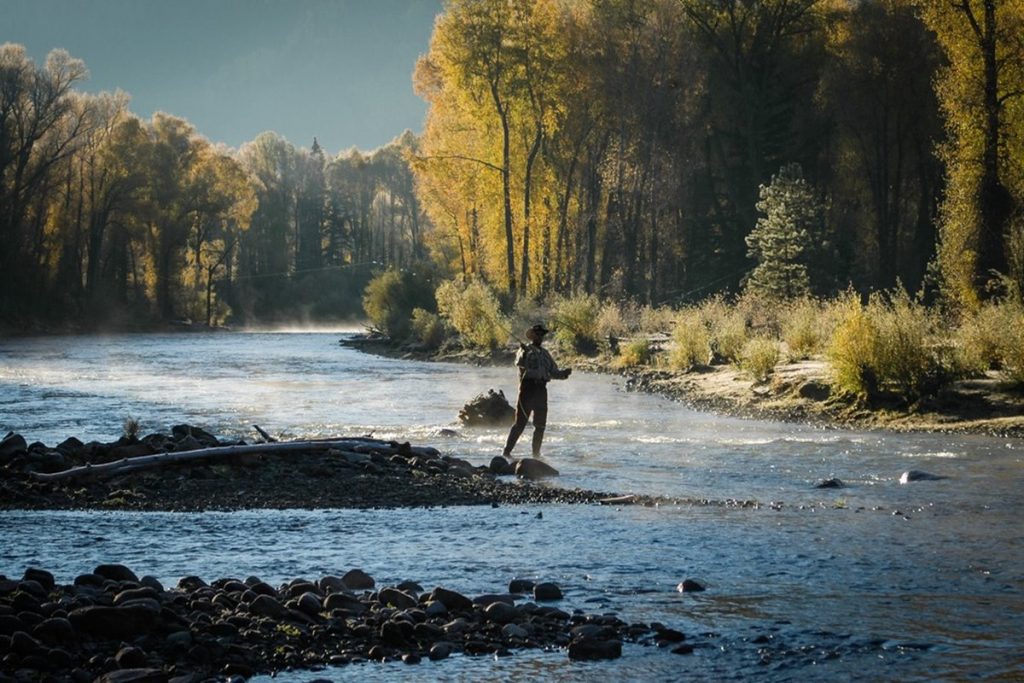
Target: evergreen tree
(781,241)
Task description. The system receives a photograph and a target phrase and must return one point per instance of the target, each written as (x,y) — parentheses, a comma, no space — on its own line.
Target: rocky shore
(373,474)
(111,626)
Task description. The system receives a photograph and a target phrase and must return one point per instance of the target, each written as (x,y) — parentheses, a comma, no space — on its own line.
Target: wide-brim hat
(538,330)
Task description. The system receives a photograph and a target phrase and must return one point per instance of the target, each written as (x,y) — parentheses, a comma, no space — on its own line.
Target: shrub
(802,328)
(982,337)
(1013,352)
(472,310)
(575,320)
(889,344)
(691,343)
(728,328)
(660,320)
(390,298)
(428,328)
(635,352)
(610,321)
(759,357)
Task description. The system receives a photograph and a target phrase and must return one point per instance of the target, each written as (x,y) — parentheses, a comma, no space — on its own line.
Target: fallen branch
(355,445)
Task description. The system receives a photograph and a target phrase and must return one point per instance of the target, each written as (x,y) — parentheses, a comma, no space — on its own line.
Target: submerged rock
(832,483)
(918,475)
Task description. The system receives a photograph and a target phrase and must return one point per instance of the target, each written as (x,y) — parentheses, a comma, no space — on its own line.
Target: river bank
(111,626)
(796,392)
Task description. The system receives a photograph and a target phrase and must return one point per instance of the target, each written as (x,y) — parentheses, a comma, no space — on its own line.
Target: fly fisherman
(536,369)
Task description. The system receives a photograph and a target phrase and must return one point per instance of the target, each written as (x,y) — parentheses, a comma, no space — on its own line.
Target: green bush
(472,310)
(759,357)
(428,328)
(575,322)
(802,328)
(634,353)
(691,343)
(389,300)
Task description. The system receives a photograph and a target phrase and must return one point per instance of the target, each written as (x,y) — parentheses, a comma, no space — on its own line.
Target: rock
(520,586)
(514,631)
(531,468)
(309,603)
(357,579)
(69,446)
(500,612)
(127,621)
(590,649)
(411,658)
(830,484)
(11,445)
(134,676)
(396,598)
(24,644)
(190,583)
(918,475)
(331,584)
(546,591)
(89,580)
(669,635)
(10,624)
(344,601)
(130,658)
(684,649)
(488,410)
(266,606)
(54,631)
(40,576)
(134,594)
(500,466)
(591,631)
(205,439)
(440,650)
(410,587)
(151,582)
(689,586)
(179,640)
(451,599)
(116,572)
(491,598)
(435,608)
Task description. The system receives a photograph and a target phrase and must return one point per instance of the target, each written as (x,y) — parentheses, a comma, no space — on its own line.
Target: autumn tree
(981,92)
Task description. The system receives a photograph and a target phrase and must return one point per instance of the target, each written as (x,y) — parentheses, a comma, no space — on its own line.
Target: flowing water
(875,581)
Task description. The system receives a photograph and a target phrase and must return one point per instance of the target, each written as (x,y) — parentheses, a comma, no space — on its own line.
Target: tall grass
(727,326)
(802,327)
(634,353)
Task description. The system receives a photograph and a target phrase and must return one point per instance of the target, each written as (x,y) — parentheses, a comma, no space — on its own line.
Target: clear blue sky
(340,70)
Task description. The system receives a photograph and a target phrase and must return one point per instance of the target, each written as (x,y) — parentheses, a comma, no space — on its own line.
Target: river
(874,581)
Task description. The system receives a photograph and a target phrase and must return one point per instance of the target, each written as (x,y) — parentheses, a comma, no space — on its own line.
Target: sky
(339,70)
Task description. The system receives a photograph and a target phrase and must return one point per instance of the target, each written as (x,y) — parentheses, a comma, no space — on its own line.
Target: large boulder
(531,468)
(182,432)
(116,572)
(589,649)
(488,410)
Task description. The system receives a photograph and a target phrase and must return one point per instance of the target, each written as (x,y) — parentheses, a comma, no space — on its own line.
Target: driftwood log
(361,445)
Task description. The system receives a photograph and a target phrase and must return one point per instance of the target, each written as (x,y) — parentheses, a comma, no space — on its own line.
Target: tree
(980,91)
(782,239)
